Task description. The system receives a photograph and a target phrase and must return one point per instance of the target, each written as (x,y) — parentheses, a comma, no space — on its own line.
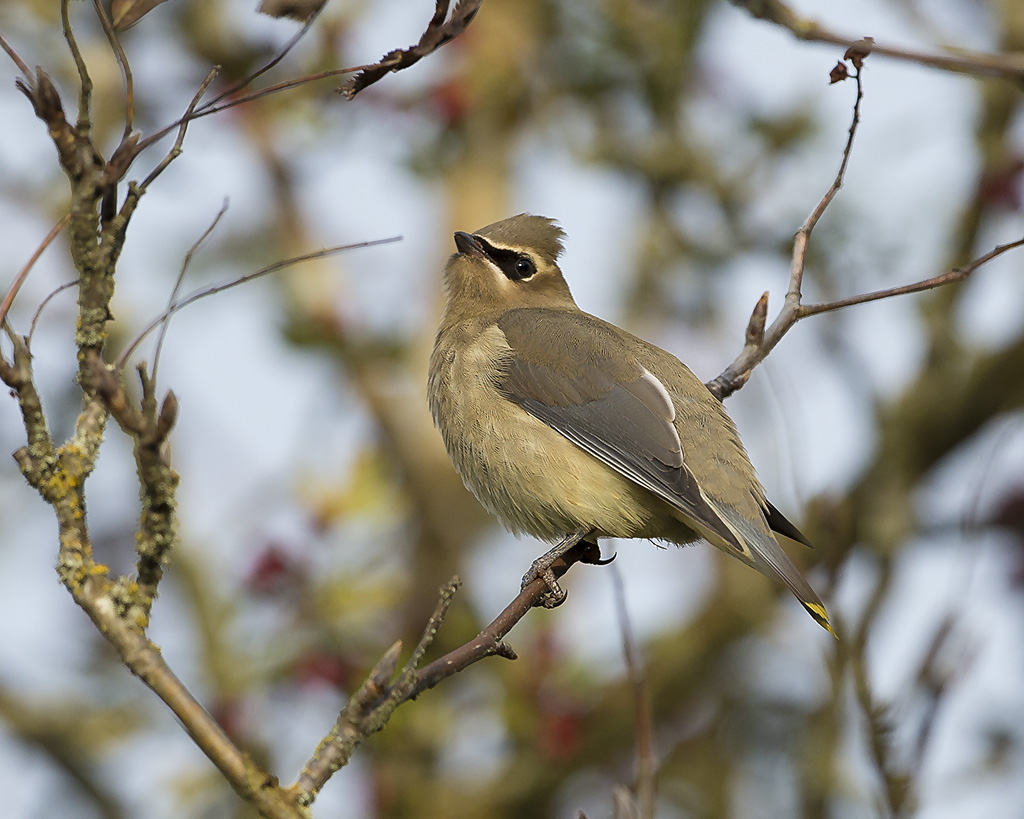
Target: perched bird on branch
(569,428)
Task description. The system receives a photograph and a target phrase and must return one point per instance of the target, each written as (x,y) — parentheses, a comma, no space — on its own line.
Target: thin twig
(184,121)
(179,280)
(955,275)
(267,66)
(248,277)
(126,70)
(803,235)
(83,123)
(255,95)
(645,763)
(19,280)
(977,63)
(42,305)
(26,72)
(758,343)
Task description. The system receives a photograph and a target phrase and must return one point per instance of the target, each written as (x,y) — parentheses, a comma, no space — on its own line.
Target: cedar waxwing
(565,426)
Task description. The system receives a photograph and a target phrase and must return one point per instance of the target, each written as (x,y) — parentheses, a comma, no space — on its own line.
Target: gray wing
(595,394)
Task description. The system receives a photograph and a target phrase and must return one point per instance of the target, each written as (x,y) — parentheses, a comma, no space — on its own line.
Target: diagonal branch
(370,708)
(19,280)
(437,34)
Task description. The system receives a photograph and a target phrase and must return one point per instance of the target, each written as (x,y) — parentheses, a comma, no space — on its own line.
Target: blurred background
(680,145)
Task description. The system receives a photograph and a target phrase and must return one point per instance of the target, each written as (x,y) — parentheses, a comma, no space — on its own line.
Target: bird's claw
(555,595)
(541,569)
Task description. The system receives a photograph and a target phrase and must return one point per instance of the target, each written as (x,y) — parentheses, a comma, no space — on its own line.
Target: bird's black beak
(468,244)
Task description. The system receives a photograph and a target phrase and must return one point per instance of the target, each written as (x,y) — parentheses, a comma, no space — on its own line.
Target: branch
(26,72)
(248,277)
(957,274)
(126,70)
(977,63)
(758,342)
(84,124)
(175,151)
(437,34)
(370,708)
(19,280)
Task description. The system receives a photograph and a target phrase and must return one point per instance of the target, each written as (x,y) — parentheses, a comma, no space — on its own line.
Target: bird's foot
(542,566)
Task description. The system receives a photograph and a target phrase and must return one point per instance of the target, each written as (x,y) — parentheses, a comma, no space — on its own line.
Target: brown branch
(204,111)
(977,63)
(19,280)
(758,342)
(175,151)
(42,306)
(437,34)
(84,122)
(273,61)
(26,72)
(126,69)
(957,274)
(185,263)
(248,277)
(370,708)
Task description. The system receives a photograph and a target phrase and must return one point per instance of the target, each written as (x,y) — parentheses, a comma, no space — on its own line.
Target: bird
(568,428)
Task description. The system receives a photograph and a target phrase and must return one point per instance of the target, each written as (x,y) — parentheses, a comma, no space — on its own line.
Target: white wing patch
(668,409)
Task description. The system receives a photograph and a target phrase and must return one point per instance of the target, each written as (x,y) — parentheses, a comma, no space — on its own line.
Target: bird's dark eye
(525,267)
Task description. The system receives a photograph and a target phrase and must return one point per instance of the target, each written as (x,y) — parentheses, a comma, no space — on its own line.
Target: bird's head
(509,264)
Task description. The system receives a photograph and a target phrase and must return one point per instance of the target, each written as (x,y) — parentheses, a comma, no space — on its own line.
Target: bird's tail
(759,549)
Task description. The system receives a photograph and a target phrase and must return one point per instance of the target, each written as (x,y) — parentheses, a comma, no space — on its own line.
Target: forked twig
(182,127)
(758,341)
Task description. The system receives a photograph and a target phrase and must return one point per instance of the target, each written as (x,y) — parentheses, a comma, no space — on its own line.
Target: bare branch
(26,72)
(437,34)
(42,306)
(955,275)
(19,280)
(180,279)
(759,343)
(84,123)
(126,69)
(1010,66)
(259,72)
(175,151)
(373,704)
(220,288)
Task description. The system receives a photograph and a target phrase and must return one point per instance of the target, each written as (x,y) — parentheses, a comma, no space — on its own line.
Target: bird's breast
(531,477)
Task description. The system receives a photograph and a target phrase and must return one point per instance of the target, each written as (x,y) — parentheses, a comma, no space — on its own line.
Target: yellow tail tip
(817,611)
